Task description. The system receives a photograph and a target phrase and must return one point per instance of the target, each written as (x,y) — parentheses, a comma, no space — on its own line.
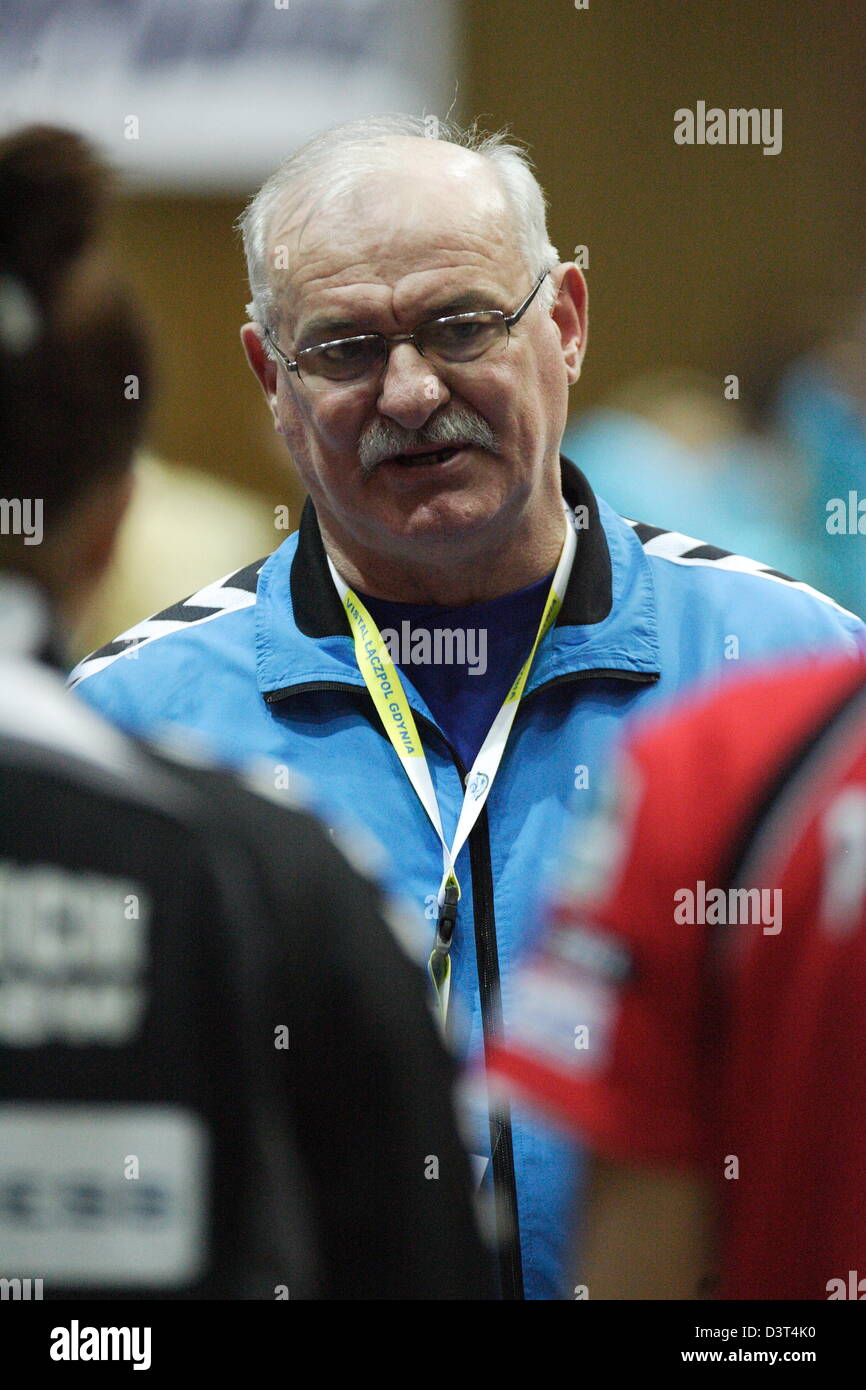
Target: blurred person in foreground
(219,1073)
(696,1012)
(460,624)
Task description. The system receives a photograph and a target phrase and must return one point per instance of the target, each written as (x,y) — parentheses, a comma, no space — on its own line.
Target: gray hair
(336,158)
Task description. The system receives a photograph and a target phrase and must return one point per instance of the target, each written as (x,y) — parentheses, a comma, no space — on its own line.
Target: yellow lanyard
(384,684)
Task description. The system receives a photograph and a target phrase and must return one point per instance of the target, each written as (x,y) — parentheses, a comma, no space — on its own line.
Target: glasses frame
(509,320)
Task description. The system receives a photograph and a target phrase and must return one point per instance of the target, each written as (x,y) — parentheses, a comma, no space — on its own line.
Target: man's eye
(465,332)
(464,339)
(340,354)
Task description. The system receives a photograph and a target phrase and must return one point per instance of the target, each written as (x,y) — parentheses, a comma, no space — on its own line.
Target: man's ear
(264,369)
(570,315)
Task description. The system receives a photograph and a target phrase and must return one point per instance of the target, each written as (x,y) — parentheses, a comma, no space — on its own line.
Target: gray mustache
(384,439)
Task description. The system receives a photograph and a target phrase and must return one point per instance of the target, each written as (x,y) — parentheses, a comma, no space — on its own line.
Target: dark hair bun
(72,342)
(54,193)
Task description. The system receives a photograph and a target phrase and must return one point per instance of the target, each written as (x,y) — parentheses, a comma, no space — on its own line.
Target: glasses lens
(465,336)
(343,362)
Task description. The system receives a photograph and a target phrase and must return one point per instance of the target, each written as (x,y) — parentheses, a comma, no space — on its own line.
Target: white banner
(212,94)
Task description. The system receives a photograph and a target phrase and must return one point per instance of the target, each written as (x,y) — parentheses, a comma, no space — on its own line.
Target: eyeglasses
(453,339)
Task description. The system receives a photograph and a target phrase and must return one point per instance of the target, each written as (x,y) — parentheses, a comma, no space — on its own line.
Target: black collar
(588,597)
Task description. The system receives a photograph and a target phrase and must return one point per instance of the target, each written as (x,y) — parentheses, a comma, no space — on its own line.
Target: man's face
(429,236)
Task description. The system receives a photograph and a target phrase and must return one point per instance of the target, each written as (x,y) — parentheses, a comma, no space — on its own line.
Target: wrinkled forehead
(395,238)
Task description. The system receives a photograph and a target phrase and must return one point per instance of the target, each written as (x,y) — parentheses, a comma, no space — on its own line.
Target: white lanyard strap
(383,682)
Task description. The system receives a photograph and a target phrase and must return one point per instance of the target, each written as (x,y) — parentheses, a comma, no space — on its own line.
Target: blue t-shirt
(462,661)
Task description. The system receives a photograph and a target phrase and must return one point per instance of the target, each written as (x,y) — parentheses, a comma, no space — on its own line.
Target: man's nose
(411,388)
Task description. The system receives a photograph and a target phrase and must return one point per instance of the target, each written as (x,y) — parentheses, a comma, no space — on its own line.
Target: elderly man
(415,335)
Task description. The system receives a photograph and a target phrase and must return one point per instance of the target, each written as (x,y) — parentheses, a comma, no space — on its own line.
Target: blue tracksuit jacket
(262,665)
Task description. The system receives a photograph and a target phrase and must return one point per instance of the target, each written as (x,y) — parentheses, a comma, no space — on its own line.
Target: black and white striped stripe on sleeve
(686,550)
(227,595)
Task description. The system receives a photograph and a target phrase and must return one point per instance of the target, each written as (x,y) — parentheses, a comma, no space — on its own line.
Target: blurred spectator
(669,445)
(820,408)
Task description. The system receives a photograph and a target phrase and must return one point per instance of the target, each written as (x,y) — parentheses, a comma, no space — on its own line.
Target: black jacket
(219,1071)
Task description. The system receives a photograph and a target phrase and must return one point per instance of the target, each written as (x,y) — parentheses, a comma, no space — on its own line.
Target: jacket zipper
(501,1144)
